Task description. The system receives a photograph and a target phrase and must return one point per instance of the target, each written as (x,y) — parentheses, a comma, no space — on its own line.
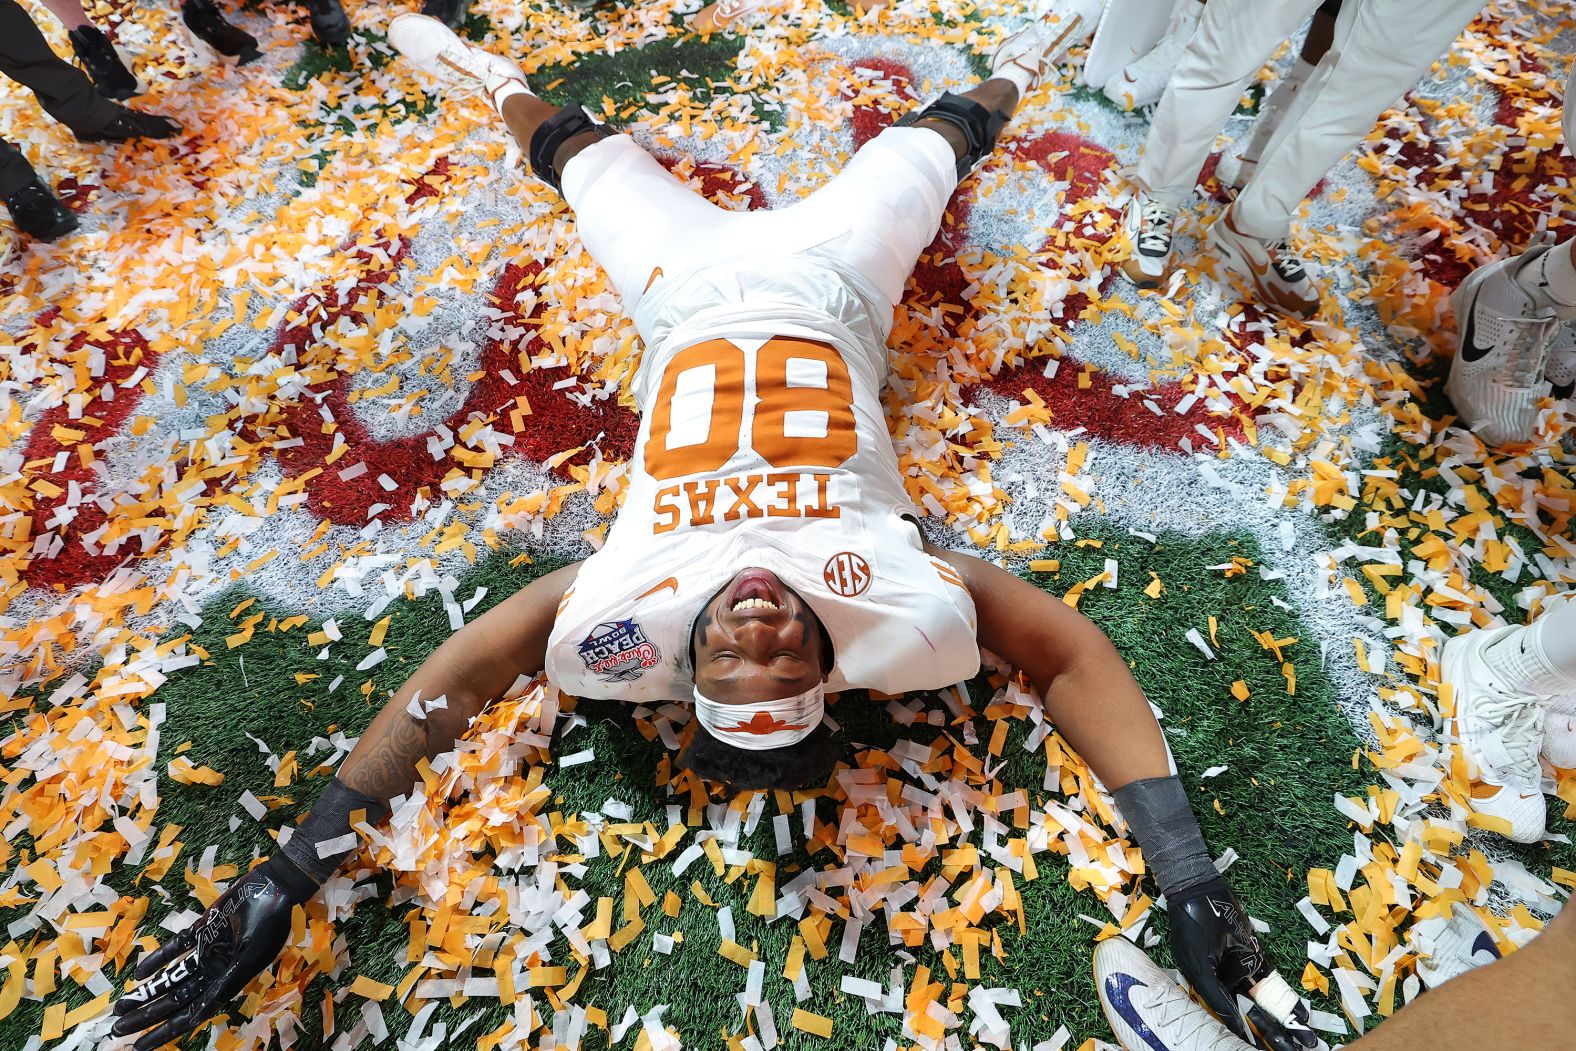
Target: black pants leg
(62,89)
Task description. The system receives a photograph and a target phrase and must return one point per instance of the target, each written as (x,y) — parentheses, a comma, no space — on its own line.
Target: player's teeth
(753,603)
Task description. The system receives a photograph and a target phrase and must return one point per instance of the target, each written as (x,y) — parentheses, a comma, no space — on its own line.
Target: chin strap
(980,126)
(553,133)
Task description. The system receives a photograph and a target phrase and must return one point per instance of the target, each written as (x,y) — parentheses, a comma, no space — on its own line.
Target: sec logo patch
(847,574)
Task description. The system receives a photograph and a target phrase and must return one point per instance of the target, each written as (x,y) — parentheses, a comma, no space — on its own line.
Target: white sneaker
(1148,225)
(1499,731)
(1042,43)
(438,51)
(1559,733)
(1561,370)
(1142,81)
(1273,273)
(1450,947)
(1502,349)
(720,14)
(1147,1010)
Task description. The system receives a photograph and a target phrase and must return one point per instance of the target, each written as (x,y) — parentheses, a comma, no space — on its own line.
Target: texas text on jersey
(765,446)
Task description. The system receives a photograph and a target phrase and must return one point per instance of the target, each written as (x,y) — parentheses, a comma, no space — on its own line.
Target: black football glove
(195,973)
(1216,950)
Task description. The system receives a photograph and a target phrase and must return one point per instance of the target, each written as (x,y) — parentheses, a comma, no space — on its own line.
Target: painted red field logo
(847,574)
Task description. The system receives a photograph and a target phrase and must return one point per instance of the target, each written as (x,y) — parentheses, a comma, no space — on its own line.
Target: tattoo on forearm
(388,766)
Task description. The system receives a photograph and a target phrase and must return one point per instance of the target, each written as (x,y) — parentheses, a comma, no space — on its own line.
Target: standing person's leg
(93,49)
(1380,50)
(64,91)
(1232,40)
(1237,165)
(1227,49)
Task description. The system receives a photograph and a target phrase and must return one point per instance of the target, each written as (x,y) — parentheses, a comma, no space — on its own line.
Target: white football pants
(1381,48)
(873,218)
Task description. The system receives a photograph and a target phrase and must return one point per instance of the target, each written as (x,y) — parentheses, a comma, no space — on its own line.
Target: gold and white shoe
(439,52)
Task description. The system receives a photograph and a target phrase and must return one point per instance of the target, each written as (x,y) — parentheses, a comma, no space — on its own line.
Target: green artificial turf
(1286,757)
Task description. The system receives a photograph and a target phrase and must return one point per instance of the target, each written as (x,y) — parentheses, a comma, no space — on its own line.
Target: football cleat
(1499,731)
(1450,947)
(1273,273)
(1148,226)
(1502,351)
(1561,371)
(437,51)
(1147,1010)
(1559,733)
(1141,82)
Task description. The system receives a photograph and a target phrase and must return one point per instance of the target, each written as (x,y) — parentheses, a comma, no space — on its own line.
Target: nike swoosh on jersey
(1118,990)
(671,582)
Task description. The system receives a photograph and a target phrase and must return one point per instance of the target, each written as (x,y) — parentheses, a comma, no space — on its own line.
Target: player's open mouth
(755,591)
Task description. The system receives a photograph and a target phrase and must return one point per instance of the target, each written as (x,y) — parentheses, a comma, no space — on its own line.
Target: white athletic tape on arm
(763,725)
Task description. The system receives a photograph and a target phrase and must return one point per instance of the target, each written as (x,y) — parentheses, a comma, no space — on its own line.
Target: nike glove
(1216,950)
(195,973)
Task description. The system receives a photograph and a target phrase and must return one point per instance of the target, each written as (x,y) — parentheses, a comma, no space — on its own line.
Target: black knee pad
(979,125)
(553,133)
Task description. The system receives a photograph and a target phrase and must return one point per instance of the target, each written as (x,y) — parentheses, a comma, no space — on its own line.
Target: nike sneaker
(1070,22)
(1272,272)
(723,14)
(1147,1010)
(1148,226)
(1448,947)
(1141,83)
(1499,731)
(1502,351)
(437,51)
(1561,371)
(1559,733)
(1037,47)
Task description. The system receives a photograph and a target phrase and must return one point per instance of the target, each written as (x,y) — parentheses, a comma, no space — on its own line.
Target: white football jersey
(762,443)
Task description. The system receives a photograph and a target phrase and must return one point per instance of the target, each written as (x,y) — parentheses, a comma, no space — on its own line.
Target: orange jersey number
(775,398)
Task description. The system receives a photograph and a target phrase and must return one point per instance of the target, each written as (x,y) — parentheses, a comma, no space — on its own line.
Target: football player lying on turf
(1520,1002)
(766,550)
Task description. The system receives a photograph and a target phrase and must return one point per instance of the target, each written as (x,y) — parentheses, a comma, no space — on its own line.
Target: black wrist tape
(328,820)
(288,877)
(1161,819)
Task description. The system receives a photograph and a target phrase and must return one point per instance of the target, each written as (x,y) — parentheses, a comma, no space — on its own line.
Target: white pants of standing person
(1381,48)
